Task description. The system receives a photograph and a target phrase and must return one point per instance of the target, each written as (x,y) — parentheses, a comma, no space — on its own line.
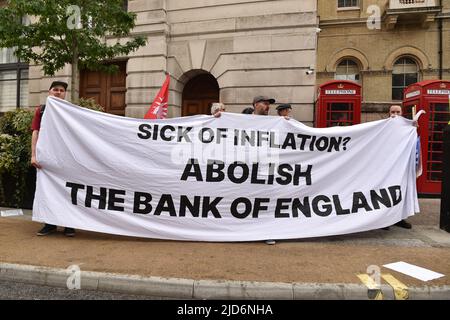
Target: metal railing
(402,4)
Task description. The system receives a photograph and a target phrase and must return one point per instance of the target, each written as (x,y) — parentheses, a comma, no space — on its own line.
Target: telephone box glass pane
(340,114)
(439,118)
(407,111)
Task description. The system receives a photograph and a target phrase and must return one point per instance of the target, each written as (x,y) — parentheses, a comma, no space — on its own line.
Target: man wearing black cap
(261,104)
(57,89)
(284,110)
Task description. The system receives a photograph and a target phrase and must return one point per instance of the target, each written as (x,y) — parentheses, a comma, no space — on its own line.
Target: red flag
(158,109)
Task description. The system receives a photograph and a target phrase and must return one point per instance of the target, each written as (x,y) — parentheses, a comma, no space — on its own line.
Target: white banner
(234,178)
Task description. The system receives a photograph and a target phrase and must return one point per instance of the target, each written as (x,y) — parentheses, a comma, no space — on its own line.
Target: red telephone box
(432,96)
(338,104)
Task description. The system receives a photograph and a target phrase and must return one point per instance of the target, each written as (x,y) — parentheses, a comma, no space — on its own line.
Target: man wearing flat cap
(284,110)
(57,89)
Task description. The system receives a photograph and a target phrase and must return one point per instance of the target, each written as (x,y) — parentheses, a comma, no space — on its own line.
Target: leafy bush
(91,104)
(15,153)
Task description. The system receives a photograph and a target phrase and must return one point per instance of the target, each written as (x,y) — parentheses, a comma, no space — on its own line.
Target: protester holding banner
(394,111)
(284,110)
(217,107)
(57,89)
(261,107)
(261,104)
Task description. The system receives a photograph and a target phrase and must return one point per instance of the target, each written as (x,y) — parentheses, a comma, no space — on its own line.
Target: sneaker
(385,228)
(270,241)
(404,224)
(69,232)
(47,229)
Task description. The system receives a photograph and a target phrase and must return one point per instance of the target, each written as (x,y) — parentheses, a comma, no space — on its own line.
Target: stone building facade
(230,51)
(383,45)
(215,50)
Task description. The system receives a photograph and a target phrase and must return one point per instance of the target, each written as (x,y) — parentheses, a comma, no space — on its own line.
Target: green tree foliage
(53,33)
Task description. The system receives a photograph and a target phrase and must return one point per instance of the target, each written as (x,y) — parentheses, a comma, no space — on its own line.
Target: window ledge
(349,9)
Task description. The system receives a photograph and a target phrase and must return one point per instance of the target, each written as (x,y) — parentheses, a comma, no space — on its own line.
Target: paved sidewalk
(321,267)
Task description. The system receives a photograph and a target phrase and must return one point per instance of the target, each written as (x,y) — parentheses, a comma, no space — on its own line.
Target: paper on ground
(414,271)
(11,213)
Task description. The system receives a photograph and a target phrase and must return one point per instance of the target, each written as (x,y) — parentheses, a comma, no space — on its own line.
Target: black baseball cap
(263,98)
(58,83)
(283,106)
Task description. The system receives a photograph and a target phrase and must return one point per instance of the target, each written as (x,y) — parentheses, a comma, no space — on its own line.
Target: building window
(348,3)
(13,81)
(347,70)
(404,73)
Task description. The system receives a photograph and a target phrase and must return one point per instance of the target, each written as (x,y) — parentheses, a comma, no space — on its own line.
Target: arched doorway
(198,95)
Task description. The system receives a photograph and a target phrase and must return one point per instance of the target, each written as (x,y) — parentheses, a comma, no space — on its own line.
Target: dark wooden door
(198,106)
(192,107)
(108,90)
(198,95)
